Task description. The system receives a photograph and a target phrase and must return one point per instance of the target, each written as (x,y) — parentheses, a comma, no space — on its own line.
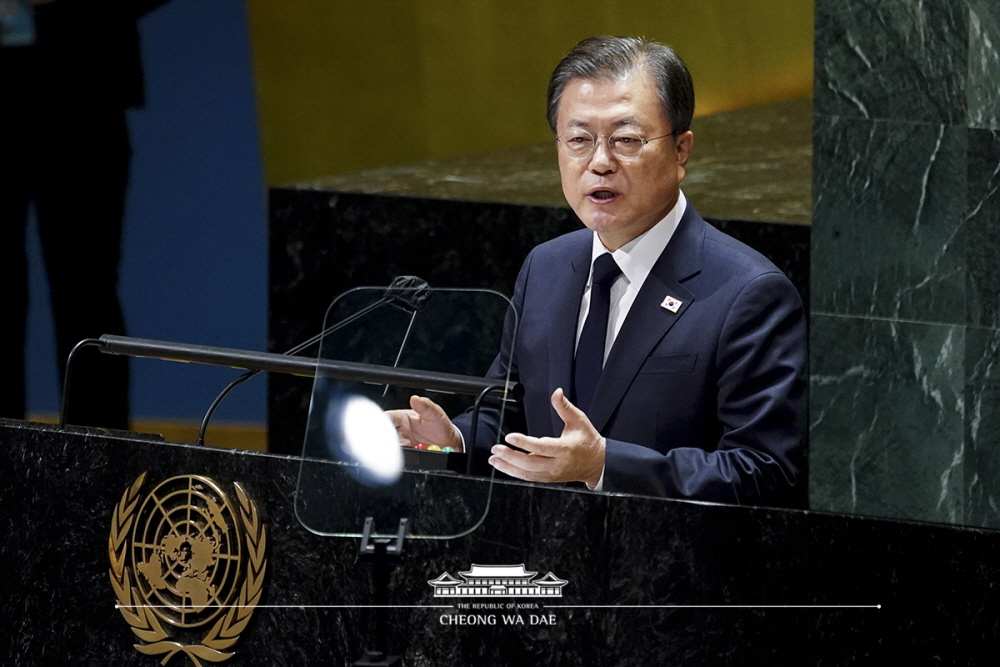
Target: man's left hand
(575,456)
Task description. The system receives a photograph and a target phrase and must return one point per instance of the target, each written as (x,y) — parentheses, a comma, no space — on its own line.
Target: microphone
(407,292)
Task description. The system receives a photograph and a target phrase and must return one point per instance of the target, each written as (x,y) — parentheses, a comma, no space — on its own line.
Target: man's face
(617,199)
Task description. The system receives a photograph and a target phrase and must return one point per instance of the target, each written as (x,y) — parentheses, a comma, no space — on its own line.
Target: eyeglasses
(579,144)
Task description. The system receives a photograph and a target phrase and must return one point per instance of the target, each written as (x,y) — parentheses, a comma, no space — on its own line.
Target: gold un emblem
(187,566)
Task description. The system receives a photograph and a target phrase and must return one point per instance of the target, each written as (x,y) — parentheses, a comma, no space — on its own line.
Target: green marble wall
(905,349)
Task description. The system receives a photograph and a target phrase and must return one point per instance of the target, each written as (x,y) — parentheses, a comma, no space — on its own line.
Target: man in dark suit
(658,355)
(66,151)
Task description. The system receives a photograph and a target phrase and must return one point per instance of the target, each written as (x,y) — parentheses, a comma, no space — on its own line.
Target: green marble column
(905,351)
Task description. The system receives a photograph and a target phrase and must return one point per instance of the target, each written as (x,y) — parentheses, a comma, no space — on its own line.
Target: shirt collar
(637,257)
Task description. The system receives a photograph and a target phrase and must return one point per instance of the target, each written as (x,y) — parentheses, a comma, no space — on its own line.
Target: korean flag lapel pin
(673,304)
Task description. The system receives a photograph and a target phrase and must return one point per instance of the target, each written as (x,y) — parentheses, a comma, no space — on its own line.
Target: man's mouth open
(603,196)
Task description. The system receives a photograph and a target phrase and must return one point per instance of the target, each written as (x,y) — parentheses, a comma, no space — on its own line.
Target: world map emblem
(187,566)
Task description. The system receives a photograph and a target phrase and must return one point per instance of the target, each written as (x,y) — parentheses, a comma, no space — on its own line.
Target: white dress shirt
(635,259)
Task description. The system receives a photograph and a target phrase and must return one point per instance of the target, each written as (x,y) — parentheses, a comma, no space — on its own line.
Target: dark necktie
(590,349)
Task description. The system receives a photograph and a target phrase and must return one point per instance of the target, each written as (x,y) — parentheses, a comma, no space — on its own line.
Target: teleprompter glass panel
(382,346)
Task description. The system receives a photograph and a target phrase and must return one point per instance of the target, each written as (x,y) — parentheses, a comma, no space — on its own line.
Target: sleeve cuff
(600,483)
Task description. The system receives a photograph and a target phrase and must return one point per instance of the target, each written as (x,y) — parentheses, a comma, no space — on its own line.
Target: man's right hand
(425,422)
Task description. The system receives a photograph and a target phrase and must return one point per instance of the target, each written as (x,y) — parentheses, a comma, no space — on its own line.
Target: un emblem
(185,557)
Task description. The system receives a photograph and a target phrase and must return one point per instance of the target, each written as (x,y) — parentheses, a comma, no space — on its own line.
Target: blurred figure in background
(69,69)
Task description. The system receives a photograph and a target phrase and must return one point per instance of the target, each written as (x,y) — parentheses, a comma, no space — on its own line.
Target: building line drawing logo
(492,581)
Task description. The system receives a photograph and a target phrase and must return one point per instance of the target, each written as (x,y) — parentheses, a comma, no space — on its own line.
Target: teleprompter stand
(382,553)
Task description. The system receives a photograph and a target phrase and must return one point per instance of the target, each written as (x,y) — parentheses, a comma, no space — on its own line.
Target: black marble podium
(650,581)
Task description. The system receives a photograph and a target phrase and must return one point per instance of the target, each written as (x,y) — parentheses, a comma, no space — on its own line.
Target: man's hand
(427,423)
(575,456)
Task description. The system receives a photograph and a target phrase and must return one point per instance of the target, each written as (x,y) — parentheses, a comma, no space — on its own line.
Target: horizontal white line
(544,606)
(712,606)
(296,606)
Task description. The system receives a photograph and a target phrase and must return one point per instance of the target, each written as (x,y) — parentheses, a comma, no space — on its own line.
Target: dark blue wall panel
(194,266)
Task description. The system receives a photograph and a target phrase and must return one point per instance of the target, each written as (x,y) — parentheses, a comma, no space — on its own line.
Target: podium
(646,581)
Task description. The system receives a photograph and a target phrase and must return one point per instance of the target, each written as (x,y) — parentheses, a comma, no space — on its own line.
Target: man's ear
(682,146)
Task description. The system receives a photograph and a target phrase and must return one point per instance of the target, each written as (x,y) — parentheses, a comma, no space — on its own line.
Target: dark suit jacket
(706,403)
(86,54)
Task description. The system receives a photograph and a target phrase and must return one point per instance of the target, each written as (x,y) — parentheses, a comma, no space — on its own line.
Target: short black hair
(603,58)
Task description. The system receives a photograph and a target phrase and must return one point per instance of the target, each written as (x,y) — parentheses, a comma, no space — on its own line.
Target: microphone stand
(200,442)
(407,292)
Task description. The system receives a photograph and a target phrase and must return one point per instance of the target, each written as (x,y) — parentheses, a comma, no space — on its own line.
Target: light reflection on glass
(366,437)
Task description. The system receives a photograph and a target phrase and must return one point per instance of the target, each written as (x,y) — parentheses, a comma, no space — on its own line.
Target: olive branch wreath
(141,618)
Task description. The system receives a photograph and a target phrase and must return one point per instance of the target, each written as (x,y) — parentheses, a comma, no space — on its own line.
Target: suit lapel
(567,290)
(648,321)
